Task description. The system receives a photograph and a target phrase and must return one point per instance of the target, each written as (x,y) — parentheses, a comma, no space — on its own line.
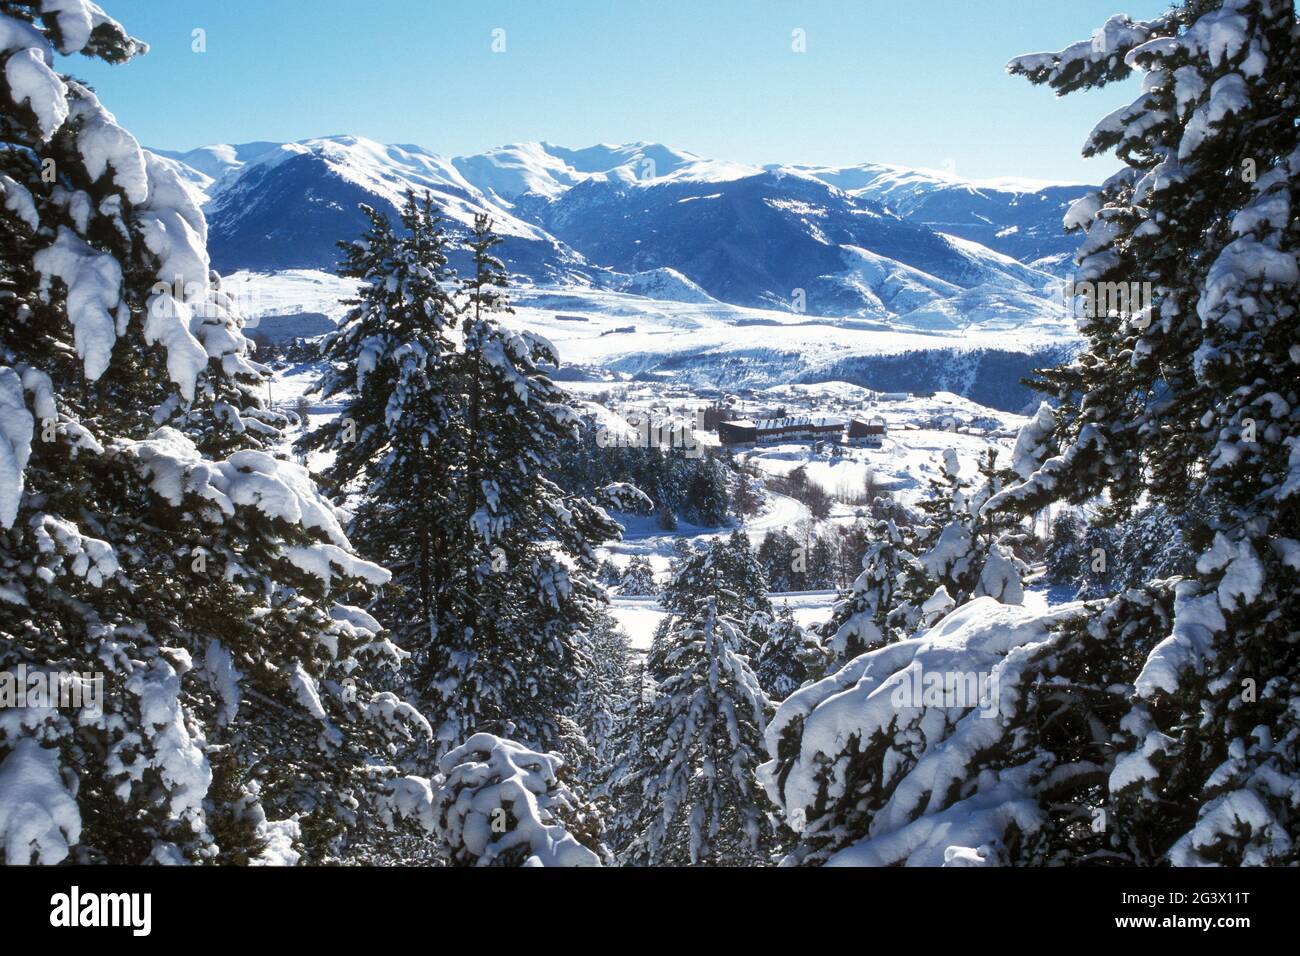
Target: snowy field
(631,334)
(639,616)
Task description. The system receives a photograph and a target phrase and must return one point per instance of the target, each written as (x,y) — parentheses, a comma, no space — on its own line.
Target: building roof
(780,424)
(858,428)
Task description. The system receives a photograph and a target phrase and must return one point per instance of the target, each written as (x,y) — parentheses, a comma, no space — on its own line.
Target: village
(820,453)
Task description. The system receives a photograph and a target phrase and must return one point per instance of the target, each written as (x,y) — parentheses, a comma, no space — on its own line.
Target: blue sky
(914,82)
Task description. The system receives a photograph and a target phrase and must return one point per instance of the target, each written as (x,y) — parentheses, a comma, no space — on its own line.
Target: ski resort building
(869,434)
(769,431)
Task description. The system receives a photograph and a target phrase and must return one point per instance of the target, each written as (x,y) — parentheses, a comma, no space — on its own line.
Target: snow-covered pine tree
(966,744)
(789,657)
(609,574)
(623,810)
(485,294)
(528,562)
(821,563)
(638,578)
(941,542)
(692,777)
(151,541)
(725,570)
(999,537)
(1190,399)
(399,438)
(953,553)
(1001,712)
(501,804)
(606,693)
(774,559)
(1066,554)
(1105,559)
(874,613)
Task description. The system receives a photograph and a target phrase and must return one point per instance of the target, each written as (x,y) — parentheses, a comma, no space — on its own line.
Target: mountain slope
(757,239)
(289,205)
(1018,218)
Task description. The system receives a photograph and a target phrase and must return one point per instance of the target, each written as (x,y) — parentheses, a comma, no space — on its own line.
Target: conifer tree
(607,693)
(725,570)
(399,437)
(692,776)
(451,431)
(609,574)
(789,656)
(1066,555)
(152,541)
(638,578)
(874,613)
(775,554)
(501,804)
(821,563)
(963,552)
(1189,399)
(528,559)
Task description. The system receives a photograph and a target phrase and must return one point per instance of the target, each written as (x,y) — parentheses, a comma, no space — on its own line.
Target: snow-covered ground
(292,291)
(732,345)
(639,616)
(630,334)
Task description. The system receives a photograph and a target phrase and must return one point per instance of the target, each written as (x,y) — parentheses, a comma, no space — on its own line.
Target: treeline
(814,557)
(690,485)
(1100,560)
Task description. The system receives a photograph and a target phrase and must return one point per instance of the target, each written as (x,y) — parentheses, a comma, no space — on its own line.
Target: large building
(870,434)
(768,431)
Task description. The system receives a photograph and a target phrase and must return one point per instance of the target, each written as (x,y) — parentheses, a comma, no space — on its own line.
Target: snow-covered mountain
(1020,218)
(287,205)
(759,239)
(867,242)
(1017,217)
(547,170)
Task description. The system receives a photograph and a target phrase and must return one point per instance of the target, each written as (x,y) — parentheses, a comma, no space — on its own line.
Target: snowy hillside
(1020,218)
(774,239)
(287,206)
(658,325)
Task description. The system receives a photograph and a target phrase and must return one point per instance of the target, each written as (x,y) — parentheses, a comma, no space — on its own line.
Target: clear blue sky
(914,82)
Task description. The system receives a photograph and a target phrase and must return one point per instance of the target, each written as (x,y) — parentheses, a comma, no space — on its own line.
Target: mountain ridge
(866,241)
